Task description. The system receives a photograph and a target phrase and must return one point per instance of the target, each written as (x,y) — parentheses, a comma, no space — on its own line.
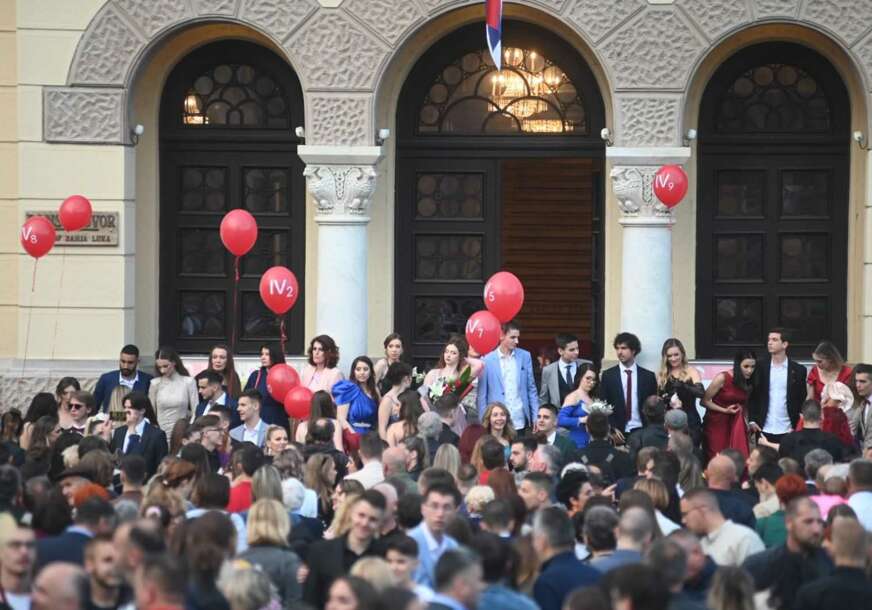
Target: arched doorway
(499,171)
(772,238)
(227,116)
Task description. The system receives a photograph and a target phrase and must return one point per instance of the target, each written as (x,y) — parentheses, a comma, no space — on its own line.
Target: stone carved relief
(155,15)
(215,7)
(661,58)
(106,51)
(341,190)
(596,18)
(840,17)
(772,8)
(387,17)
(83,115)
(354,56)
(634,189)
(16,390)
(277,17)
(864,53)
(648,120)
(716,16)
(338,121)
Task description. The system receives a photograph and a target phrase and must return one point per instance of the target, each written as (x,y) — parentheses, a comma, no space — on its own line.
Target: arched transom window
(774,98)
(530,95)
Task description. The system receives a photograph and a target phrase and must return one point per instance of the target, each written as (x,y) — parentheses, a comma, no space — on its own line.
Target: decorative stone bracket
(342,180)
(633,181)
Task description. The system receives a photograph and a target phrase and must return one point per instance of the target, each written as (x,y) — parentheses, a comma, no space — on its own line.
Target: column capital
(632,177)
(342,180)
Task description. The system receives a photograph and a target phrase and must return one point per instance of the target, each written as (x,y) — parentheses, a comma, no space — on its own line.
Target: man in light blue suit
(437,509)
(508,379)
(253,428)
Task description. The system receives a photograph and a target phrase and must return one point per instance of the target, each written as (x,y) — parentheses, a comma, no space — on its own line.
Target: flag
(494,29)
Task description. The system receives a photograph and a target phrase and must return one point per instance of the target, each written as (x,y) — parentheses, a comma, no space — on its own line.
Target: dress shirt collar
(552,437)
(140,428)
(122,380)
(432,545)
(632,367)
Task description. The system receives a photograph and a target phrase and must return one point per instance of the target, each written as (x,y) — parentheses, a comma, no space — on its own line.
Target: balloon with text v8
(483,331)
(75,213)
(504,295)
(38,236)
(238,231)
(279,289)
(298,402)
(280,380)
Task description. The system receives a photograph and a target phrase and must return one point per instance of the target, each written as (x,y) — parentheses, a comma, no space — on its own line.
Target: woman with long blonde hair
(680,385)
(320,476)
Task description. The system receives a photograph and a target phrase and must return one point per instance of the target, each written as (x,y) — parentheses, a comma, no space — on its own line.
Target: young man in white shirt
(779,390)
(726,542)
(17,556)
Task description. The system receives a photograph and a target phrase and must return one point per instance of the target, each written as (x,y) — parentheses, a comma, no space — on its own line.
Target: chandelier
(522,87)
(193,110)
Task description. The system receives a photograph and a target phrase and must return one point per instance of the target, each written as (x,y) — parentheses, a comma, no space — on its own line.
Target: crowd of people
(491,481)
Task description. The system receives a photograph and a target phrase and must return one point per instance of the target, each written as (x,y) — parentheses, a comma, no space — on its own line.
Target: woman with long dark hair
(407,425)
(398,379)
(321,407)
(726,402)
(221,361)
(680,385)
(573,414)
(455,359)
(271,410)
(64,391)
(42,404)
(394,348)
(321,373)
(357,400)
(173,392)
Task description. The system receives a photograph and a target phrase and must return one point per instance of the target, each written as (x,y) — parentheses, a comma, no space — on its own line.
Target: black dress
(687,393)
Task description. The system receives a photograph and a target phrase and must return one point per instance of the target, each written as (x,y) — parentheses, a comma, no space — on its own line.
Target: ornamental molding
(634,189)
(341,192)
(83,116)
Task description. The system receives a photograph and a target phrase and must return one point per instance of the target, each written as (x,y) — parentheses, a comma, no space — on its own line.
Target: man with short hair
(106,585)
(847,588)
(861,415)
(860,488)
(253,428)
(211,391)
(560,377)
(784,568)
(394,468)
(114,386)
(535,491)
(626,385)
(636,587)
(574,489)
(598,530)
(798,444)
(133,473)
(635,530)
(446,408)
(457,577)
(330,559)
(560,571)
(700,567)
(520,455)
(546,428)
(734,505)
(813,462)
(401,553)
(161,583)
(547,459)
(59,587)
(601,452)
(498,517)
(439,506)
(507,378)
(139,437)
(372,473)
(17,558)
(94,516)
(764,479)
(779,389)
(135,541)
(389,526)
(212,438)
(670,559)
(653,433)
(727,542)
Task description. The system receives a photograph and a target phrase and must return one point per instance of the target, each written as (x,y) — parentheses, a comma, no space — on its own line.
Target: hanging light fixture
(193,110)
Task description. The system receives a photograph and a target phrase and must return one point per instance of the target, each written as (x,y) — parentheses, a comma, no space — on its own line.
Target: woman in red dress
(726,401)
(829,366)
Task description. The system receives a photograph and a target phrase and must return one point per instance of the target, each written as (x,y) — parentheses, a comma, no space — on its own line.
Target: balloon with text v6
(38,236)
(279,289)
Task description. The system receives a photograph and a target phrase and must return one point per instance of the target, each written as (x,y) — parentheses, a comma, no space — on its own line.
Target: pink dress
(324,380)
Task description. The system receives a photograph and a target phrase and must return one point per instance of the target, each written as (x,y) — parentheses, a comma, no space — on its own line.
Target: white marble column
(341,180)
(646,260)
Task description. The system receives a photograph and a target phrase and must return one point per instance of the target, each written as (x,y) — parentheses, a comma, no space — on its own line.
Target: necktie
(864,413)
(569,375)
(133,443)
(629,373)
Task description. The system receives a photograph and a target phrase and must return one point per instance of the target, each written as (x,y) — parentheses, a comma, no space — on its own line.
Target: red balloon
(483,331)
(75,213)
(670,185)
(280,379)
(238,231)
(298,402)
(504,295)
(279,289)
(38,236)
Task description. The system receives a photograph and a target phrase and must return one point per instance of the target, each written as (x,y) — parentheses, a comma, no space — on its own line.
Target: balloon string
(58,307)
(27,327)
(235,307)
(284,337)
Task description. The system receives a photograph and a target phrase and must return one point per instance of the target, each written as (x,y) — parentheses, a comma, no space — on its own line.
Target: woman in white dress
(173,392)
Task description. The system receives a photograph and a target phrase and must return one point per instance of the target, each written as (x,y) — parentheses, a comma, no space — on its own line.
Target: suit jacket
(758,405)
(846,589)
(238,433)
(426,559)
(612,391)
(490,384)
(327,561)
(152,446)
(229,401)
(109,381)
(68,547)
(549,393)
(559,576)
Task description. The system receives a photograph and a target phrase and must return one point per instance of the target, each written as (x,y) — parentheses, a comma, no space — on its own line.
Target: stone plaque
(103,230)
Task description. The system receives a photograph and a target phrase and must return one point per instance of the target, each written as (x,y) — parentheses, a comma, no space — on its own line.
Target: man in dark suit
(779,389)
(458,581)
(561,572)
(113,386)
(140,437)
(330,559)
(94,516)
(627,385)
(212,393)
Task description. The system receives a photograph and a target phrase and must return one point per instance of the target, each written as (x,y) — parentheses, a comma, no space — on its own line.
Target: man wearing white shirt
(726,542)
(213,393)
(779,390)
(626,386)
(508,378)
(860,487)
(253,428)
(372,472)
(559,378)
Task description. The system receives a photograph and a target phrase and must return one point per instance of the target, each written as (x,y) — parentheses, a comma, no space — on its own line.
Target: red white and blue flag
(494,29)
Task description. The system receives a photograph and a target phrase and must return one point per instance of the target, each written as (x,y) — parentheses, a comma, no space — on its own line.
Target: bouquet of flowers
(460,386)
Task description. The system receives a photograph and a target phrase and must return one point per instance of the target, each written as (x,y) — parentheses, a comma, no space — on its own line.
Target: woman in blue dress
(573,415)
(357,403)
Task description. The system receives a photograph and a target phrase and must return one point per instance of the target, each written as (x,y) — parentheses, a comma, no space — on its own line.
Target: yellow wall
(8,179)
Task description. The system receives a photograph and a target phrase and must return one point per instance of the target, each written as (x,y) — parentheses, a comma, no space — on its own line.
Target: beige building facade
(78,76)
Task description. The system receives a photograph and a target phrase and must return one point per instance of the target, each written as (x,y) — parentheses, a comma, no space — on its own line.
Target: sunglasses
(76,405)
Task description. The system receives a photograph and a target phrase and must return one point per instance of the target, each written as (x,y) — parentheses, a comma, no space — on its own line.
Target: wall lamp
(606,135)
(689,136)
(137,131)
(860,138)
